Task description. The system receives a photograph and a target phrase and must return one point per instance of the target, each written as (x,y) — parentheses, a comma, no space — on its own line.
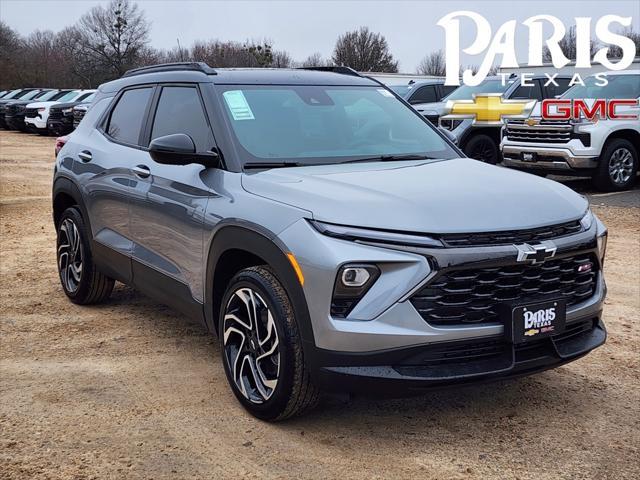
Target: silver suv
(328,233)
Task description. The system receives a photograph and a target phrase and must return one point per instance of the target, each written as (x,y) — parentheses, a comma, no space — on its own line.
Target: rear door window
(126,120)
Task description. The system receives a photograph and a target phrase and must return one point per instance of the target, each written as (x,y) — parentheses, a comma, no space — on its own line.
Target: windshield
(31,95)
(325,124)
(68,97)
(402,90)
(51,95)
(465,92)
(619,86)
(86,97)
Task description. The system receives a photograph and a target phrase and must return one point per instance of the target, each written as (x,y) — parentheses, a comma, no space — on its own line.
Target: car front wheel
(618,166)
(262,349)
(483,148)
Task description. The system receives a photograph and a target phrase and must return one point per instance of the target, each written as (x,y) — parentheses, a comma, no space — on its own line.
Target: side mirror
(179,149)
(450,136)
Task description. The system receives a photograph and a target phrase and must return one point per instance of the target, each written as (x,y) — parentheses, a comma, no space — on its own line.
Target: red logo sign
(573,109)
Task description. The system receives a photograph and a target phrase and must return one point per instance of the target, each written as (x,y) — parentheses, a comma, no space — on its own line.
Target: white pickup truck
(606,150)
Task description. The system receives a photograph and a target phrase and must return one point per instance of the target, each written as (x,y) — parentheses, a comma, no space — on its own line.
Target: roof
(242,76)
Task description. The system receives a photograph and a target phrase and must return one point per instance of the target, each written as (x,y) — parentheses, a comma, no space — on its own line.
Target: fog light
(355,276)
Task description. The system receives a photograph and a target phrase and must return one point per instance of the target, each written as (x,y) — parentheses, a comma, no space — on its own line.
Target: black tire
(293,393)
(90,286)
(482,147)
(615,179)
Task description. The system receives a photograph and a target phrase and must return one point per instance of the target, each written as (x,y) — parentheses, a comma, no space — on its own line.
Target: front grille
(55,113)
(512,236)
(546,131)
(78,115)
(31,113)
(10,110)
(475,296)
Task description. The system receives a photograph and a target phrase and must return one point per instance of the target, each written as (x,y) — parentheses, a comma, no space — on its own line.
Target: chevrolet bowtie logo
(489,109)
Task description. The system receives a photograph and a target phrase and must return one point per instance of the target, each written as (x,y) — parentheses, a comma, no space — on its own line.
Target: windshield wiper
(391,158)
(257,165)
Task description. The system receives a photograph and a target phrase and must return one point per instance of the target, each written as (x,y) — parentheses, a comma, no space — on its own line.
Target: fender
(255,239)
(68,187)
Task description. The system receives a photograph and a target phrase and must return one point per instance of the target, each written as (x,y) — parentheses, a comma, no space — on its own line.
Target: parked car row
(606,150)
(42,110)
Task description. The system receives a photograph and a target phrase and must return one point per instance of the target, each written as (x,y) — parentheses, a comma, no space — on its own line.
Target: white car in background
(37,113)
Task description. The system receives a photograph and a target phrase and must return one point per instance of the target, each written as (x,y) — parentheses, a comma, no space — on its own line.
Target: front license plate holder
(535,320)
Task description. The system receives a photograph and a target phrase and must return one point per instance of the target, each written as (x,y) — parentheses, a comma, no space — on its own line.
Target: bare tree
(568,46)
(616,52)
(433,64)
(10,55)
(281,59)
(316,60)
(365,51)
(114,35)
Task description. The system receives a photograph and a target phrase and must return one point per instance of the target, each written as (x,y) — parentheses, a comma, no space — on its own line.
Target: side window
(180,111)
(127,116)
(553,90)
(425,94)
(447,89)
(529,92)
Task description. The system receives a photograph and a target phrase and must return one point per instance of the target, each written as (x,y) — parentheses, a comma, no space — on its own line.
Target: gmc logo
(573,109)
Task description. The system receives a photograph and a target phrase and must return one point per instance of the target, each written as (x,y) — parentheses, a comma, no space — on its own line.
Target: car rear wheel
(261,347)
(617,167)
(483,148)
(80,280)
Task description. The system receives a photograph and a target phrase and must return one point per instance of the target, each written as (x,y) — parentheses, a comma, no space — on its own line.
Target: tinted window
(618,86)
(554,90)
(532,92)
(126,118)
(447,89)
(424,95)
(465,92)
(180,111)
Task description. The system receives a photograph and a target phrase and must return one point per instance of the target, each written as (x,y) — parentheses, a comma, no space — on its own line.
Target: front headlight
(602,246)
(366,235)
(67,111)
(587,220)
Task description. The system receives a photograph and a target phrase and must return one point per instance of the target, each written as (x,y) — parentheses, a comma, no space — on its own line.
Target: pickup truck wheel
(483,148)
(80,280)
(617,167)
(262,349)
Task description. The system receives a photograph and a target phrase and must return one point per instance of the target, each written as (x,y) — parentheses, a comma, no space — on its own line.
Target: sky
(304,27)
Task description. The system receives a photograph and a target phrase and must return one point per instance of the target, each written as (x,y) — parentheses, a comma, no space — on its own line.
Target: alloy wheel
(621,166)
(251,345)
(483,152)
(70,255)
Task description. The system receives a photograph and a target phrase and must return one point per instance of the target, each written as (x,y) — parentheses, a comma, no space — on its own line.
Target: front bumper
(60,126)
(36,122)
(411,370)
(554,158)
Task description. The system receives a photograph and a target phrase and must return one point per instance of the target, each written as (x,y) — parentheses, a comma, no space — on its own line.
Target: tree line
(110,39)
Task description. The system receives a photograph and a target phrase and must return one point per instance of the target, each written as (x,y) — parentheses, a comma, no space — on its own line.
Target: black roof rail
(334,69)
(171,67)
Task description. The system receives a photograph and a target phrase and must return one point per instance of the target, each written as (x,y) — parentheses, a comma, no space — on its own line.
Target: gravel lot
(132,390)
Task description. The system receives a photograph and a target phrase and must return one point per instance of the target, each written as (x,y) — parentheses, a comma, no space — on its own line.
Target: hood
(41,104)
(450,196)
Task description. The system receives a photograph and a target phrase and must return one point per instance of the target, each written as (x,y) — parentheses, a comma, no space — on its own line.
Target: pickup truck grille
(55,113)
(474,296)
(31,113)
(10,110)
(531,235)
(78,115)
(546,131)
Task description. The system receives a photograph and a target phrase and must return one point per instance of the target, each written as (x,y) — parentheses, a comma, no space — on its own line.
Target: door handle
(142,171)
(85,156)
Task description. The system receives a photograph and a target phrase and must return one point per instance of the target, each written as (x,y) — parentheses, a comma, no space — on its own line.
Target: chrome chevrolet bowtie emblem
(536,253)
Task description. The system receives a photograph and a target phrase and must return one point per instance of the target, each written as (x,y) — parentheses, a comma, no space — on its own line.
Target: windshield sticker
(385,93)
(238,105)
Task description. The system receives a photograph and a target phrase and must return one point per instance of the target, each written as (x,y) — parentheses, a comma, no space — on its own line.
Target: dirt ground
(130,389)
